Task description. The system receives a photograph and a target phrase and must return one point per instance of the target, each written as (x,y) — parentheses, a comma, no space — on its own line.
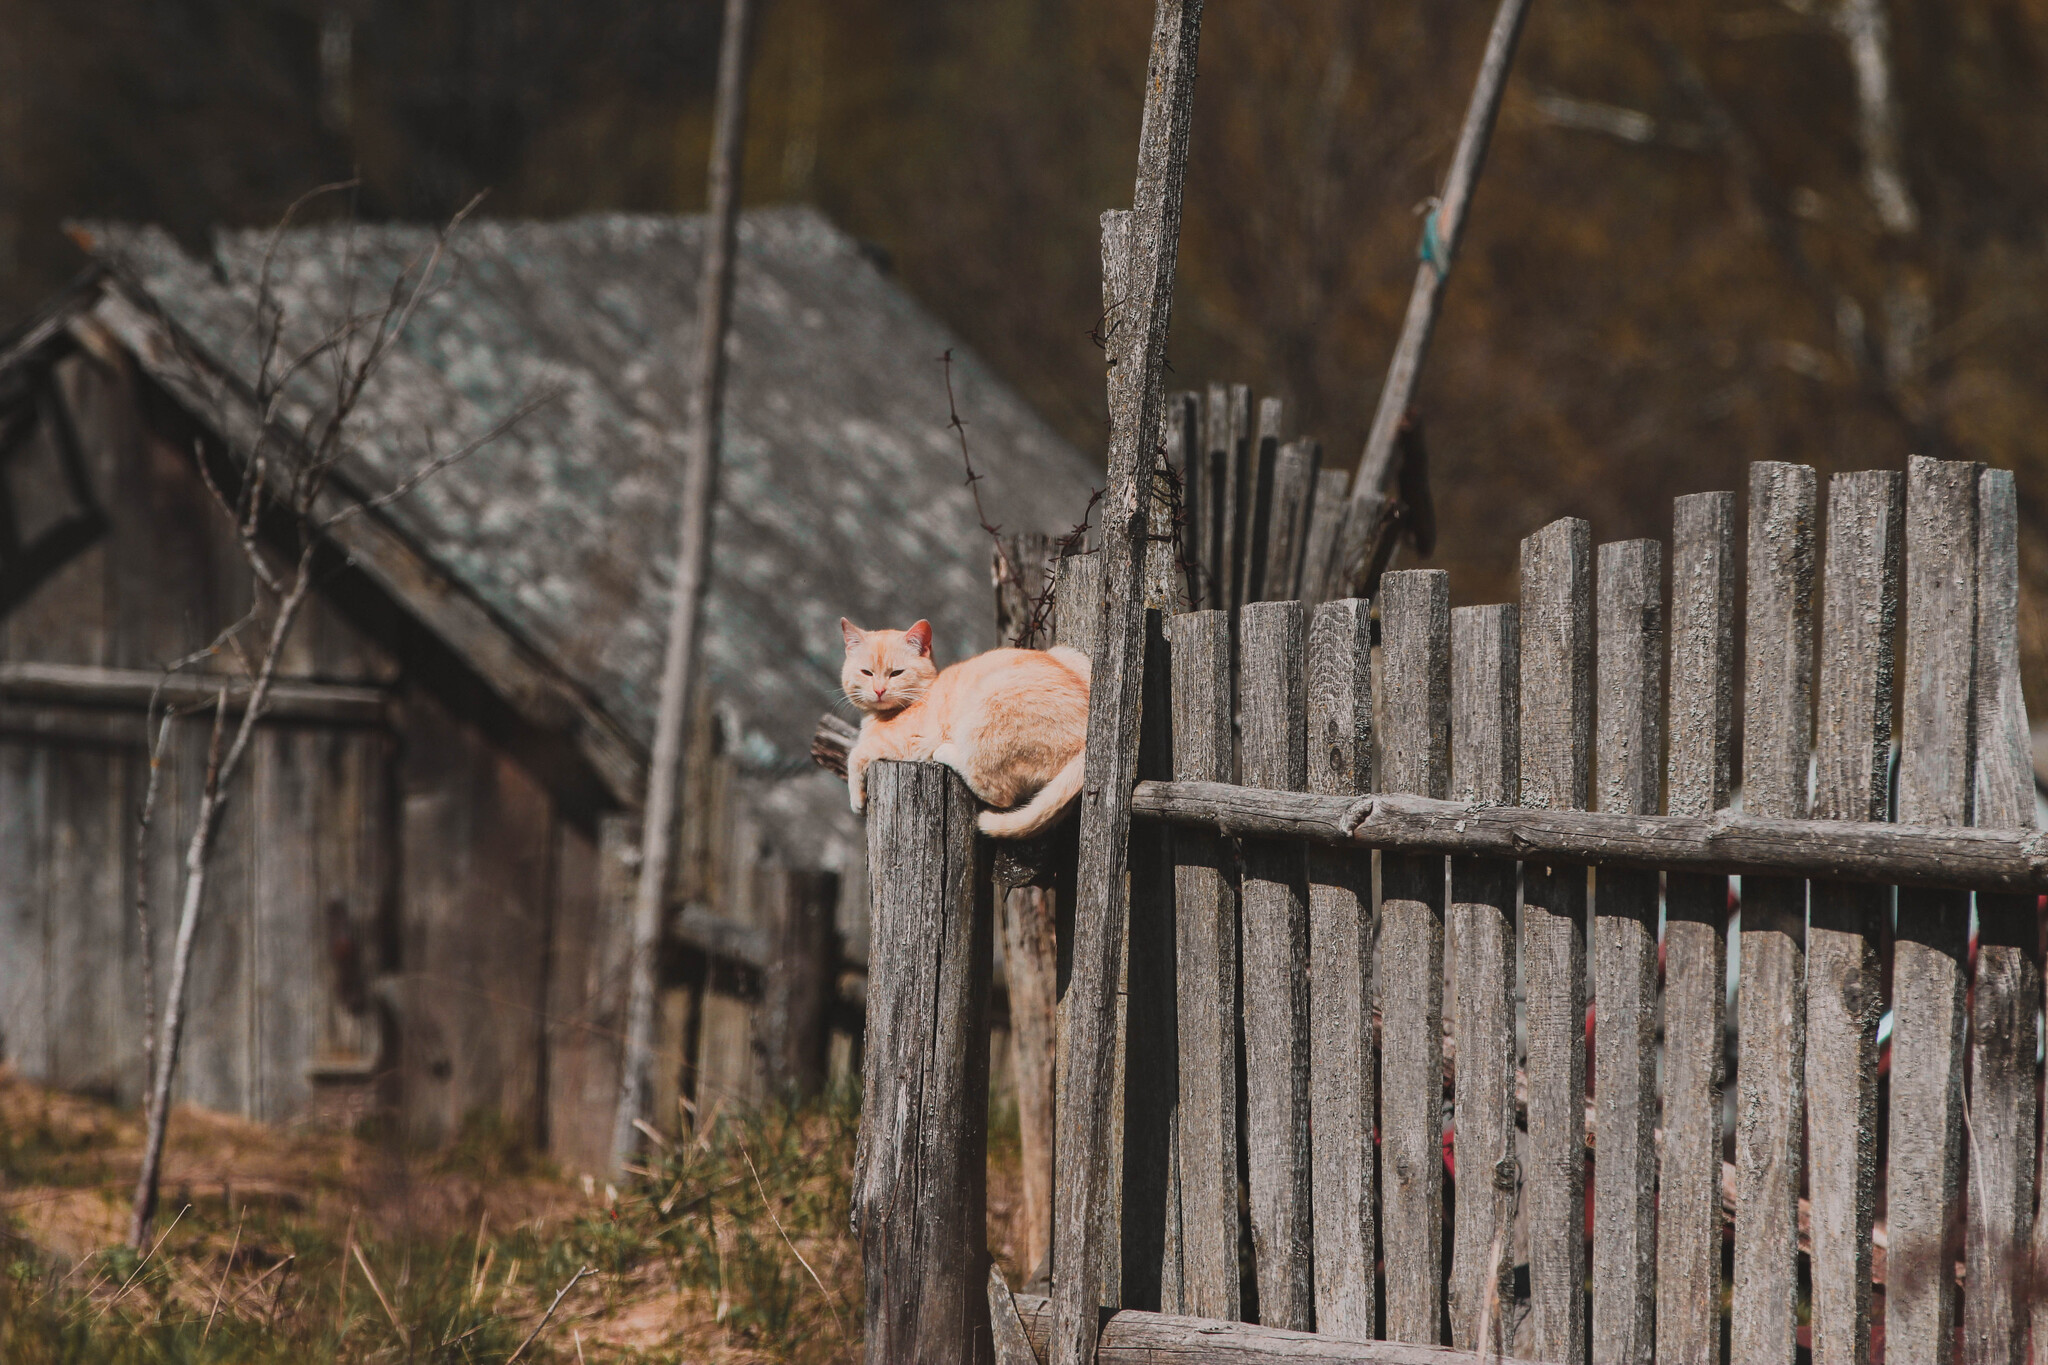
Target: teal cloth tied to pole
(1431,249)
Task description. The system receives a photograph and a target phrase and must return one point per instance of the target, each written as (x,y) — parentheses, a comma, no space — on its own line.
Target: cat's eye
(894,671)
(867,672)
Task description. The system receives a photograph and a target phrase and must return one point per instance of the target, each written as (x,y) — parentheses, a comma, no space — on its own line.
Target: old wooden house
(418,889)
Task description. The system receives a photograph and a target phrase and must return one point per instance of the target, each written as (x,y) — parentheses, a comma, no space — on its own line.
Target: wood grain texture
(1272,719)
(1698,777)
(801,980)
(921,1168)
(1725,844)
(1342,1061)
(1133,1338)
(1325,521)
(1205,893)
(1630,681)
(1230,434)
(1485,767)
(1557,717)
(1184,461)
(1934,787)
(1777,722)
(1415,621)
(1844,997)
(1295,470)
(1262,456)
(2006,1000)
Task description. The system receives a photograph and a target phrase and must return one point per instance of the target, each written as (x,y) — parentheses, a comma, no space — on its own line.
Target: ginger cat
(1013,722)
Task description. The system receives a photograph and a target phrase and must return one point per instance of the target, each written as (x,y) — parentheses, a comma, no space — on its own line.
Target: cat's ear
(919,637)
(852,633)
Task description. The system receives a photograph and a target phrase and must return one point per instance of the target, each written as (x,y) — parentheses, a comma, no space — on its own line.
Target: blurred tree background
(1710,231)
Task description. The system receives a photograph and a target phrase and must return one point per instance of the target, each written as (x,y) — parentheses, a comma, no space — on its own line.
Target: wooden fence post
(919,1194)
(1935,779)
(1695,946)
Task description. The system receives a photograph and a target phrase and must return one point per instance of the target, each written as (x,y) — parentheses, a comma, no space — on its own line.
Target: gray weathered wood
(132,688)
(1077,602)
(799,985)
(1325,520)
(1844,997)
(1934,788)
(1137,359)
(1184,457)
(1485,767)
(1295,468)
(1262,454)
(2006,1000)
(1724,844)
(919,1175)
(1342,1065)
(1630,772)
(1557,707)
(1272,710)
(1206,939)
(1777,719)
(1696,915)
(1229,427)
(1133,1338)
(1415,618)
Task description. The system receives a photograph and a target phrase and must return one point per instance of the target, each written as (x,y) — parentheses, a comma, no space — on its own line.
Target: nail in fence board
(1630,773)
(1342,1066)
(1324,519)
(1925,1148)
(1770,1002)
(2006,1001)
(1415,622)
(1485,766)
(1844,997)
(919,1175)
(1272,717)
(1696,912)
(1294,482)
(1206,941)
(1557,705)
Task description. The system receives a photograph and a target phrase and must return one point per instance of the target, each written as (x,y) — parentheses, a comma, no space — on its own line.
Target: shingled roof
(842,487)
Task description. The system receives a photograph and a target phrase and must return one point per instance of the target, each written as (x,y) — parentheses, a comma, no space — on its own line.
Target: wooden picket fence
(1386,856)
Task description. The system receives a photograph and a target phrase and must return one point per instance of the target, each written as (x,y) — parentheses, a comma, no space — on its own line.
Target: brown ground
(271,1221)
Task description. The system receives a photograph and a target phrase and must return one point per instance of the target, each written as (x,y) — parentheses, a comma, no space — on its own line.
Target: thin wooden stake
(693,564)
(1443,230)
(1137,354)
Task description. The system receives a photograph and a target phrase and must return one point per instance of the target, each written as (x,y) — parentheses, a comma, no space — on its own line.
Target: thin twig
(225,1271)
(769,1205)
(541,1326)
(378,1289)
(144,1261)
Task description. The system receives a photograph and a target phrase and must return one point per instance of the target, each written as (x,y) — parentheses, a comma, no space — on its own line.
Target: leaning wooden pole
(1442,229)
(693,560)
(1137,359)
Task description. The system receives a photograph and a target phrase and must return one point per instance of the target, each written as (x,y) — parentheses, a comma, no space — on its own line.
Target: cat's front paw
(857,797)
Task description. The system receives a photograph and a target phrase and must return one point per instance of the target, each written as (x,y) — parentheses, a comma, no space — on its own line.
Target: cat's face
(886,670)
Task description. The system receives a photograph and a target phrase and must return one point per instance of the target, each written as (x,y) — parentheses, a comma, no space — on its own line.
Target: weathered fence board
(1295,469)
(1485,767)
(1272,711)
(1630,767)
(1844,998)
(1777,721)
(1415,620)
(1262,456)
(1325,520)
(920,1173)
(1698,777)
(1342,1054)
(2006,1000)
(1205,896)
(1925,1123)
(1557,707)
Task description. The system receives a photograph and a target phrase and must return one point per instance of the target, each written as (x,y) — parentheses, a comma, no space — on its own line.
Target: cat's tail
(1042,811)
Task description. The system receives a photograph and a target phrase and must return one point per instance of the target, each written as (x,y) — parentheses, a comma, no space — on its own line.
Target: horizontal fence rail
(1725,844)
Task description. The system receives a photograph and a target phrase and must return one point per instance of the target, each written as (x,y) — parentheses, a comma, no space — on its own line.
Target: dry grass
(321,1246)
